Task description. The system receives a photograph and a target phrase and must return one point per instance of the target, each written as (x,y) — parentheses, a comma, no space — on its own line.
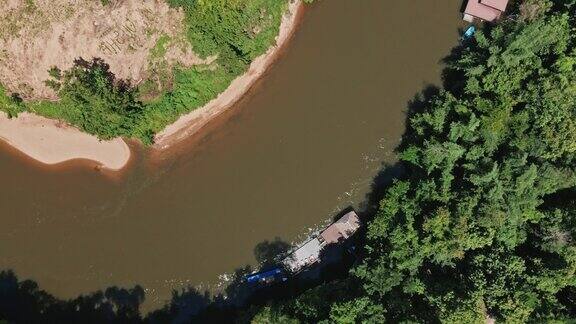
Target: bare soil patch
(136,37)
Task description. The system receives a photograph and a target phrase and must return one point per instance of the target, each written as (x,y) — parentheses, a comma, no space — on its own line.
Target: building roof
(496,4)
(306,255)
(482,11)
(341,229)
(309,253)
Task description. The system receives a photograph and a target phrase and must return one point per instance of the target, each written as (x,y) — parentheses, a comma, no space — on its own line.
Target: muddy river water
(304,144)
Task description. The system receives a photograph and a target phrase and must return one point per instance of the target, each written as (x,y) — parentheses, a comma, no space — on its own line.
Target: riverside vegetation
(93,99)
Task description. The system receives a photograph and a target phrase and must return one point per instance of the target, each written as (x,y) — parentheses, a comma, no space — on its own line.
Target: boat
(267,277)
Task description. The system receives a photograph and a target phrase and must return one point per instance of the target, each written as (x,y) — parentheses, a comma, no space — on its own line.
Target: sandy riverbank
(190,123)
(51,142)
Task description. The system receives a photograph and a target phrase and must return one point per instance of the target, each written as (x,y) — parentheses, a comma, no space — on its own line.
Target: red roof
(341,229)
(482,11)
(496,4)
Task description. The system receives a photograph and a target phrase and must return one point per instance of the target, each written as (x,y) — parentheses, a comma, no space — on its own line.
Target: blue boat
(469,33)
(267,277)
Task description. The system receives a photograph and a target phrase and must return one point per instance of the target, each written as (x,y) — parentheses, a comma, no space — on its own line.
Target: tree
(94,100)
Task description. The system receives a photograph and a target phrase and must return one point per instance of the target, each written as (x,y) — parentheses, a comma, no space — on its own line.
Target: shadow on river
(26,302)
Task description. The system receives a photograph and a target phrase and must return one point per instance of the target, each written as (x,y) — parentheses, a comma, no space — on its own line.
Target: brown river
(306,143)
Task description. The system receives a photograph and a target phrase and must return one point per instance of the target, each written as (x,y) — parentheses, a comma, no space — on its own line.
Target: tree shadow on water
(184,305)
(267,252)
(25,302)
(390,172)
(191,305)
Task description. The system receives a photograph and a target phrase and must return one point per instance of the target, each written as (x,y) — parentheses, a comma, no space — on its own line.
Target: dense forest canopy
(483,222)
